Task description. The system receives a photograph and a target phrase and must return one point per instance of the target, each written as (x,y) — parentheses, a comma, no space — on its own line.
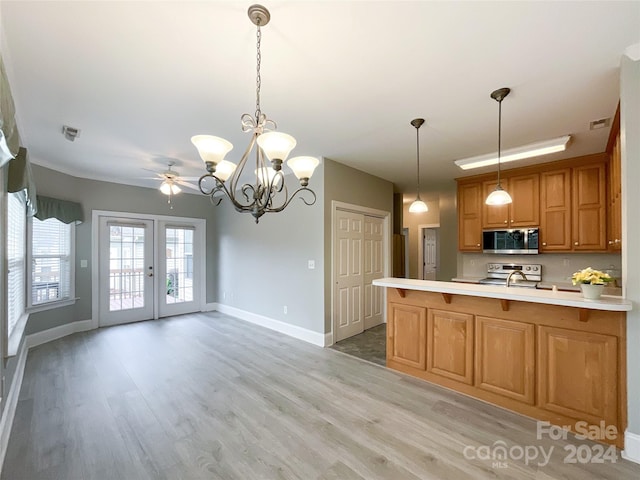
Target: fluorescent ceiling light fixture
(536,149)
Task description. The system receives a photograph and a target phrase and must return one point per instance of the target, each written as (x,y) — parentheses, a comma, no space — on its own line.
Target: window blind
(51,274)
(16,249)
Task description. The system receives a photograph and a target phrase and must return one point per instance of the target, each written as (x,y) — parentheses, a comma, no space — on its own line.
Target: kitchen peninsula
(553,356)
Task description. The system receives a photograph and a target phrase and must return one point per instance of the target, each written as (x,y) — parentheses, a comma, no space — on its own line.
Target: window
(51,260)
(16,232)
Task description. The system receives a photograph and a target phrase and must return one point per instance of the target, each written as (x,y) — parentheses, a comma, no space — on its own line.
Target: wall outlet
(83,264)
(285,309)
(565,262)
(312,264)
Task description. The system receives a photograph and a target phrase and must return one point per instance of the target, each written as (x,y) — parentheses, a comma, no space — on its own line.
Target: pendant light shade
(499,196)
(418,206)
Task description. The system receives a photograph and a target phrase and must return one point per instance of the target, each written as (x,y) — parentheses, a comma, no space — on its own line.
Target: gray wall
(96,195)
(348,185)
(629,128)
(262,268)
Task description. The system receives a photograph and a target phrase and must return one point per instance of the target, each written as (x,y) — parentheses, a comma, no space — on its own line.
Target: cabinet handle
(478,245)
(512,220)
(576,243)
(616,241)
(505,221)
(544,244)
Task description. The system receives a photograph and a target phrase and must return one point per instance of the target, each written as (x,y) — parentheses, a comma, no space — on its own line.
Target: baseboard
(631,450)
(55,333)
(210,307)
(9,411)
(328,339)
(272,324)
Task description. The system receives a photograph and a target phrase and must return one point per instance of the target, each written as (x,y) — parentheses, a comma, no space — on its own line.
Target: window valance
(9,139)
(20,179)
(63,210)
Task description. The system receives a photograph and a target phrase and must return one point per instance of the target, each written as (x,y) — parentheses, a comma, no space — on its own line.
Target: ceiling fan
(171,182)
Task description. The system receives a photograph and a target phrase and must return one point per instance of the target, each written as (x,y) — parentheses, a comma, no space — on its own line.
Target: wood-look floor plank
(206,397)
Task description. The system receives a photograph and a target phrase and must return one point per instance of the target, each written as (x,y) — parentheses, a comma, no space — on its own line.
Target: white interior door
(429,250)
(126,270)
(373,269)
(180,264)
(348,294)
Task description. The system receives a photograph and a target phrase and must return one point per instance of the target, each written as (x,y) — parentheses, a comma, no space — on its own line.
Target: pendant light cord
(418,157)
(499,137)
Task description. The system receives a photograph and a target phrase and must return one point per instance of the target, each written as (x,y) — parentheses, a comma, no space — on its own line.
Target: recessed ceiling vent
(602,123)
(70,133)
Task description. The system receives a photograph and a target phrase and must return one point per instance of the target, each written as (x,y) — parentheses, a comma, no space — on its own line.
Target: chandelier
(268,193)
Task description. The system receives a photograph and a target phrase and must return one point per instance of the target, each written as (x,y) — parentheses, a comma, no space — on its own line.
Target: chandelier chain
(258,77)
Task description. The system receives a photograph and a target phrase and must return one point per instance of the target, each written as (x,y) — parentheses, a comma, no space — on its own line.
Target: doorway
(360,255)
(146,267)
(428,252)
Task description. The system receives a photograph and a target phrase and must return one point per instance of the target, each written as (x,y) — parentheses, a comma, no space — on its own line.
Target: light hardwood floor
(206,396)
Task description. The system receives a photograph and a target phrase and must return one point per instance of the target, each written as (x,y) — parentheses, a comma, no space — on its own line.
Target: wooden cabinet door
(505,358)
(577,374)
(407,335)
(615,198)
(589,205)
(494,216)
(525,193)
(469,217)
(450,345)
(555,210)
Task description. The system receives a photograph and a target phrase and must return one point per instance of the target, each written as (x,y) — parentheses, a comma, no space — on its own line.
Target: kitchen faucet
(524,277)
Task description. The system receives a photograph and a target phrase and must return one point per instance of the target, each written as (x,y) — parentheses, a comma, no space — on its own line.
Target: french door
(148,268)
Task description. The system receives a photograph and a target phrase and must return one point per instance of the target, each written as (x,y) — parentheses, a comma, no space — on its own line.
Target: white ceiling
(343,77)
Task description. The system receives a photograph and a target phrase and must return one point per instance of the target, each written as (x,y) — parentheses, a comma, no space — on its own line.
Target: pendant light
(499,196)
(418,206)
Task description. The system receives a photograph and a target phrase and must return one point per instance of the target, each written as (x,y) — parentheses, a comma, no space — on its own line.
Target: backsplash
(556,267)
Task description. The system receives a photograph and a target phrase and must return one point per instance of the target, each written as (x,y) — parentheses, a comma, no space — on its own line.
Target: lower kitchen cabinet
(407,335)
(560,364)
(578,374)
(505,358)
(450,345)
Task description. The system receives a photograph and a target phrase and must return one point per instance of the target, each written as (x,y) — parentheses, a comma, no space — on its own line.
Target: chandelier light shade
(268,193)
(418,206)
(499,196)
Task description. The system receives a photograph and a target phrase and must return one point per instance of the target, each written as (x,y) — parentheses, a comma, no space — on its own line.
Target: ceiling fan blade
(188,185)
(190,179)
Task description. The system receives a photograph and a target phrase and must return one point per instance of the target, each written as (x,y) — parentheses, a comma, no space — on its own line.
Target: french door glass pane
(126,267)
(179,242)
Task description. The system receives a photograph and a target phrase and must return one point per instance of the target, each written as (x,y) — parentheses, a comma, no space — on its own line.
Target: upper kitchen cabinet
(470,217)
(614,240)
(555,210)
(574,202)
(589,226)
(524,211)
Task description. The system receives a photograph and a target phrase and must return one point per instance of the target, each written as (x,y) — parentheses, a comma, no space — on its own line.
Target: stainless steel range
(522,275)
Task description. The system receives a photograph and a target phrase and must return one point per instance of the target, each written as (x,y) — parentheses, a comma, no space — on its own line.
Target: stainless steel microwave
(510,242)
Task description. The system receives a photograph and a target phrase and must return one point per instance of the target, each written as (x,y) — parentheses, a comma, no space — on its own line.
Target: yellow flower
(589,275)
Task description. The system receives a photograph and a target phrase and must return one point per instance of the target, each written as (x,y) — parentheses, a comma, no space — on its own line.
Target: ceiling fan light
(175,189)
(418,206)
(224,170)
(303,167)
(498,197)
(276,145)
(165,187)
(211,149)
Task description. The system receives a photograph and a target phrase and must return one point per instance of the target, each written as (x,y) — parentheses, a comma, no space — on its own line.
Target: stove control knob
(535,269)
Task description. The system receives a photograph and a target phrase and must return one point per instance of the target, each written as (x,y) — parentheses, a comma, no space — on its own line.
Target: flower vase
(591,291)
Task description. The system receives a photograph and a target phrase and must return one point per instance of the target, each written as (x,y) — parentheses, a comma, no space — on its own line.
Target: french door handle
(149,274)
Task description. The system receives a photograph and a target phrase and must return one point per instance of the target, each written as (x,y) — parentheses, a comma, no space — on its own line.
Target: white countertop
(566,299)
